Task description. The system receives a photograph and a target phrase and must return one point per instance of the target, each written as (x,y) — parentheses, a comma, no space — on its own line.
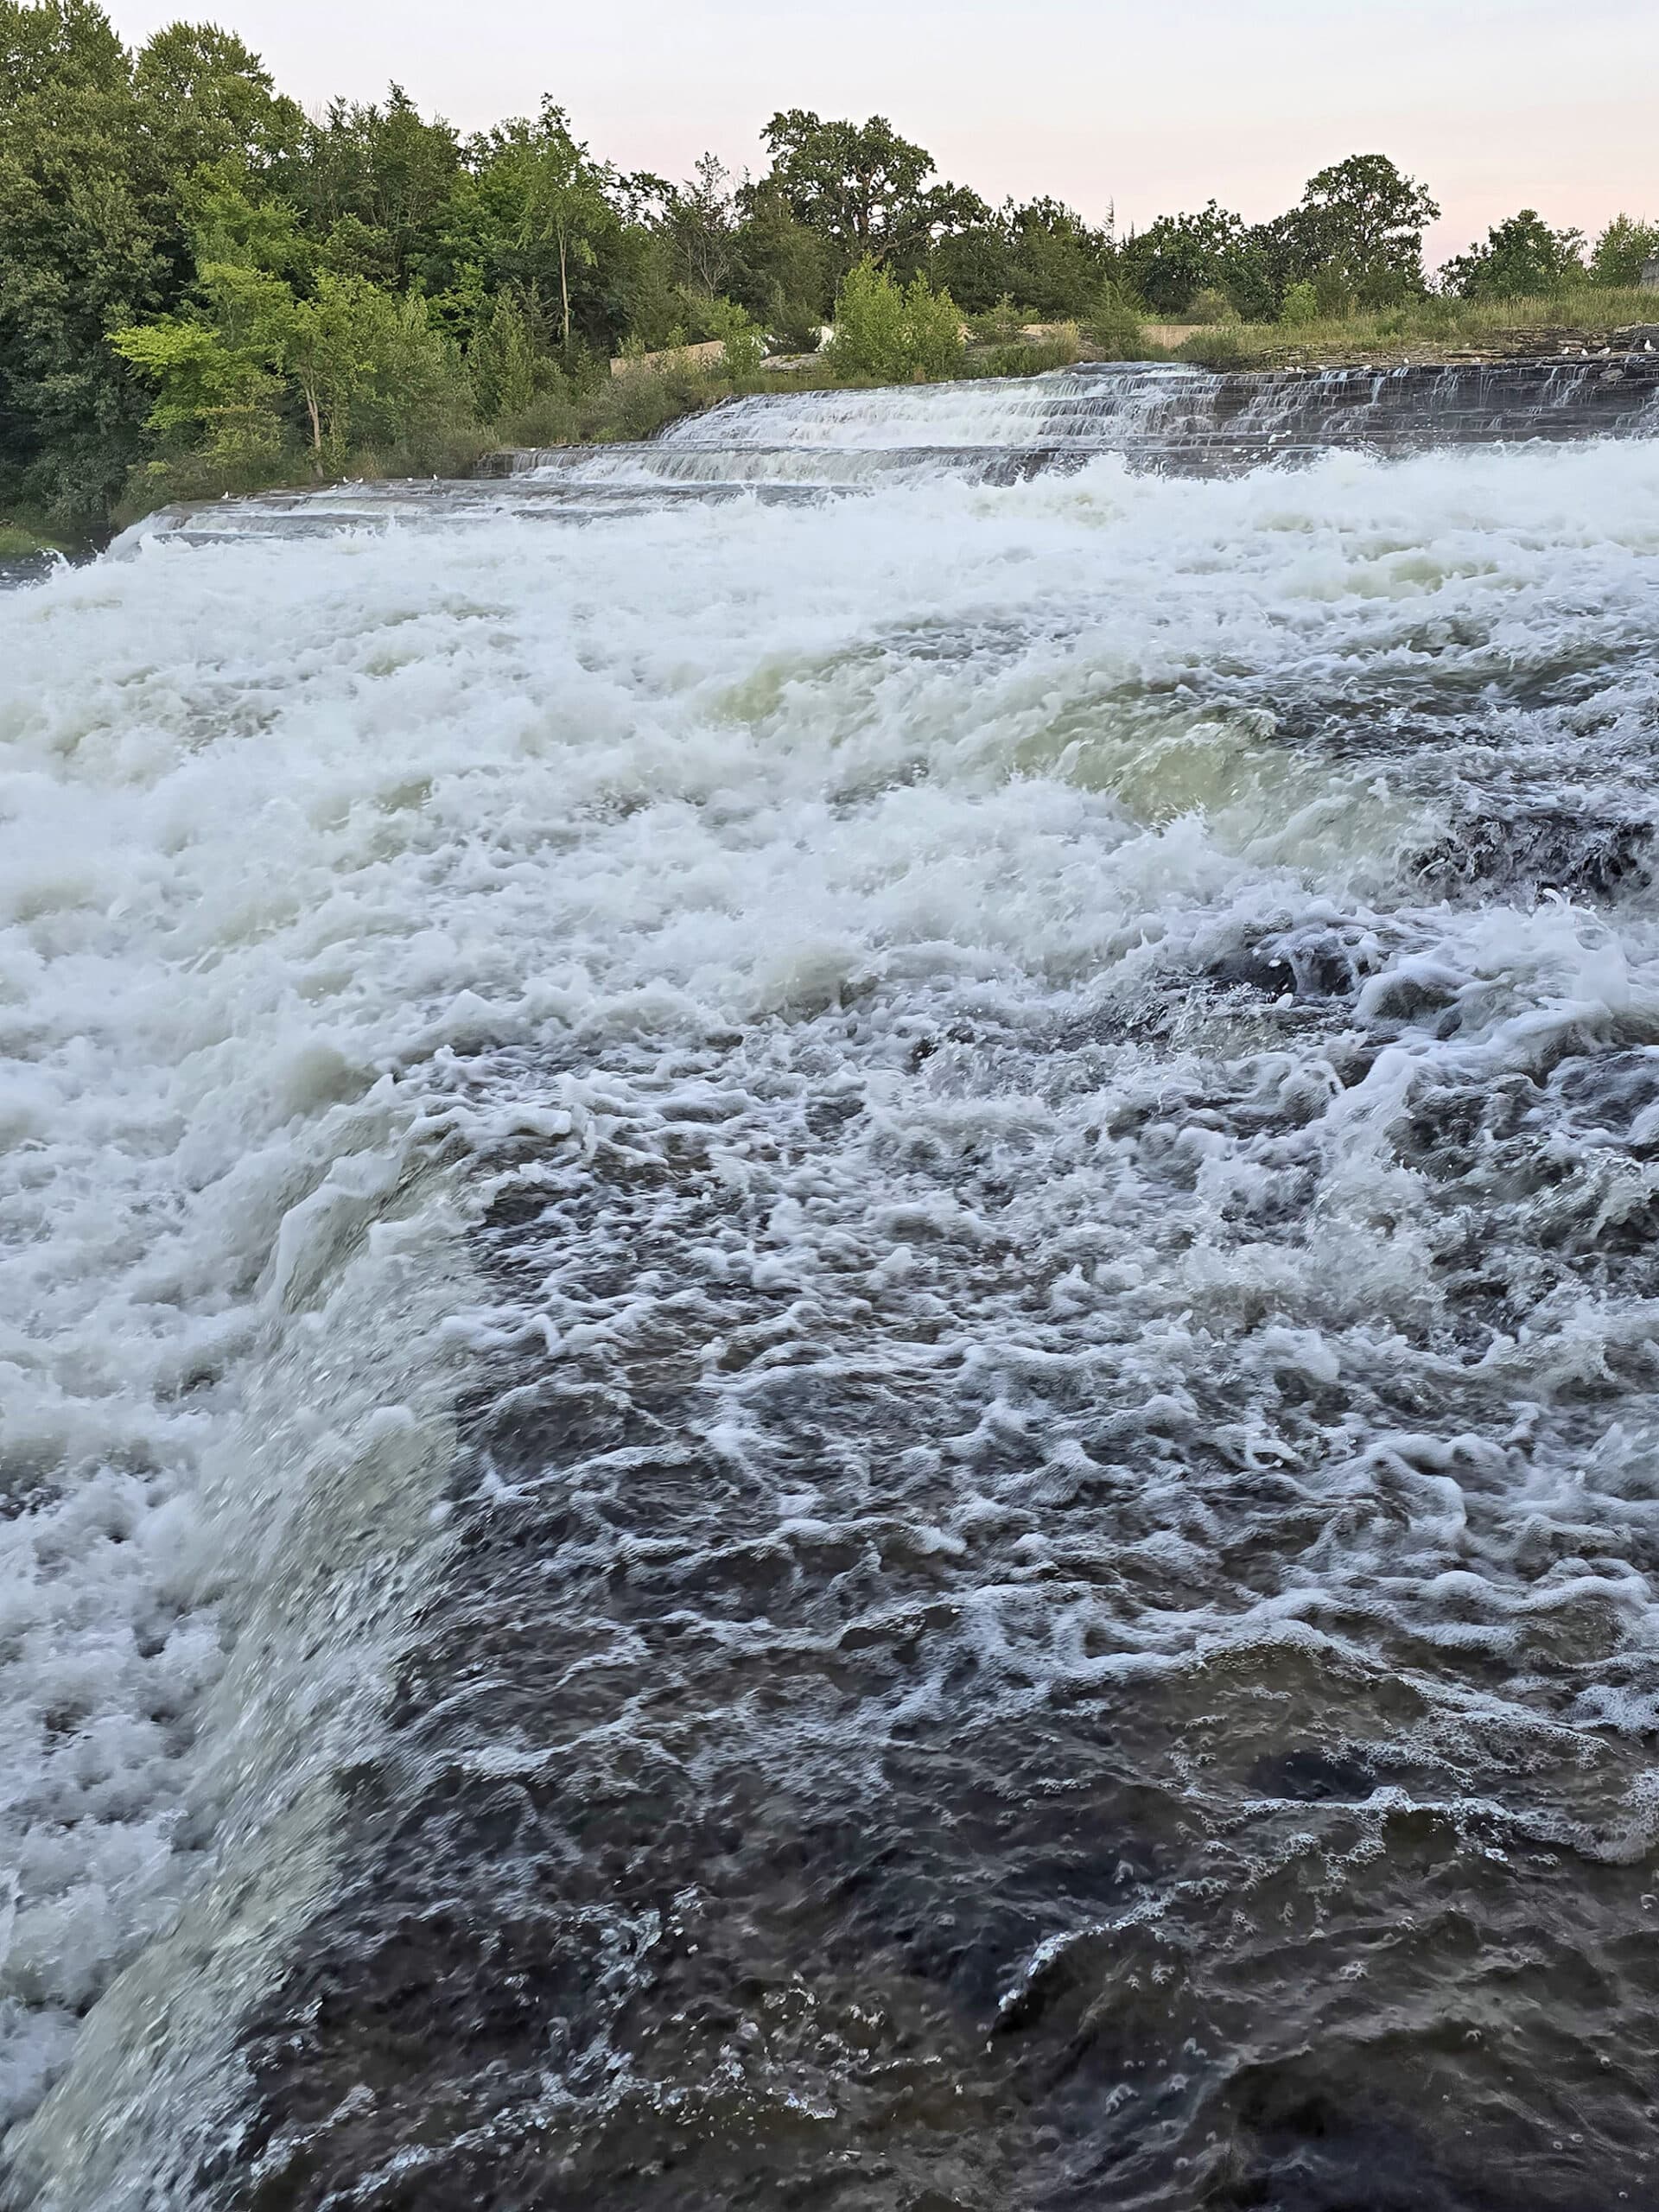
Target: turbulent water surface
(829,1334)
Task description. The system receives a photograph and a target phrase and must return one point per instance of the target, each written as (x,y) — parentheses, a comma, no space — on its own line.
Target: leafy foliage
(1365,220)
(1521,258)
(745,344)
(1621,250)
(1113,328)
(888,333)
(1181,255)
(864,189)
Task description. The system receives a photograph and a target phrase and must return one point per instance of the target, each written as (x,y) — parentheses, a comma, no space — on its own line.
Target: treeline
(201,285)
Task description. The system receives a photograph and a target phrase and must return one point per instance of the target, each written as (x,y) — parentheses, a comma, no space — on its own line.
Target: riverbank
(1433,332)
(17,543)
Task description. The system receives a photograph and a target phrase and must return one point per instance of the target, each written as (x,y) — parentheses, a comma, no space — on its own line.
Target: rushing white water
(329,869)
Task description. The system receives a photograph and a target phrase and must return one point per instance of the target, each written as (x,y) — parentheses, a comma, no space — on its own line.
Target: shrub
(888,333)
(551,418)
(1219,349)
(1000,325)
(1300,307)
(1114,331)
(932,330)
(1029,356)
(1210,305)
(745,344)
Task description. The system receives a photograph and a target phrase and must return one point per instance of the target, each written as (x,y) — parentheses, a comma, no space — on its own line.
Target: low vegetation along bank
(203,289)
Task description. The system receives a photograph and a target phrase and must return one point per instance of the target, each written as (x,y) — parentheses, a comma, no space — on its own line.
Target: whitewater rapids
(828,1347)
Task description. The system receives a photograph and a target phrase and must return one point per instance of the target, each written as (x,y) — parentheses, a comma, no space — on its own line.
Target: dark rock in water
(1315,964)
(1547,848)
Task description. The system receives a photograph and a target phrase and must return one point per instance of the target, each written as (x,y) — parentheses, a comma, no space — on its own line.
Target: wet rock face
(1542,850)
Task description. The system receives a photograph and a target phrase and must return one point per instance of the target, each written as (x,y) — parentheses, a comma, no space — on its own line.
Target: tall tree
(1058,263)
(214,100)
(85,224)
(381,179)
(540,205)
(864,188)
(698,220)
(1364,218)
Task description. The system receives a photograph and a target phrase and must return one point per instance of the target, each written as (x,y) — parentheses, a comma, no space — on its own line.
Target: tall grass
(1433,324)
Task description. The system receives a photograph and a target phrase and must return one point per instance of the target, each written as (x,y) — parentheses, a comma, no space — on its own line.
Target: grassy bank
(20,544)
(1426,330)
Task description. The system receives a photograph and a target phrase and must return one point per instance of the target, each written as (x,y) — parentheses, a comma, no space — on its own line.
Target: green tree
(61,47)
(1366,218)
(218,398)
(360,362)
(229,215)
(1057,262)
(698,222)
(211,100)
(99,151)
(1173,260)
(84,237)
(364,362)
(786,270)
(1622,249)
(1113,328)
(501,363)
(976,266)
(565,202)
(864,189)
(381,181)
(1520,258)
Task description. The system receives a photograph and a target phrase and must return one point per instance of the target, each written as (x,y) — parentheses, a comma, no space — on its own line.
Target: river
(828,1322)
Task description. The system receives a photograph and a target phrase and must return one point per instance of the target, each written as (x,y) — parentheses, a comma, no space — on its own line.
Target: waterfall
(796,446)
(827,1316)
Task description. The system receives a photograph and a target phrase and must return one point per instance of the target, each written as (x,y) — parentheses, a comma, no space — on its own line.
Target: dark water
(883,1285)
(17,570)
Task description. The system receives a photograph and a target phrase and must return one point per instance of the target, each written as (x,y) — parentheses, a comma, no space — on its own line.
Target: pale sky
(1156,106)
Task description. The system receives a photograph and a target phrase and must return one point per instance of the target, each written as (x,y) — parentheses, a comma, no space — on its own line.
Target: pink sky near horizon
(1495,104)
